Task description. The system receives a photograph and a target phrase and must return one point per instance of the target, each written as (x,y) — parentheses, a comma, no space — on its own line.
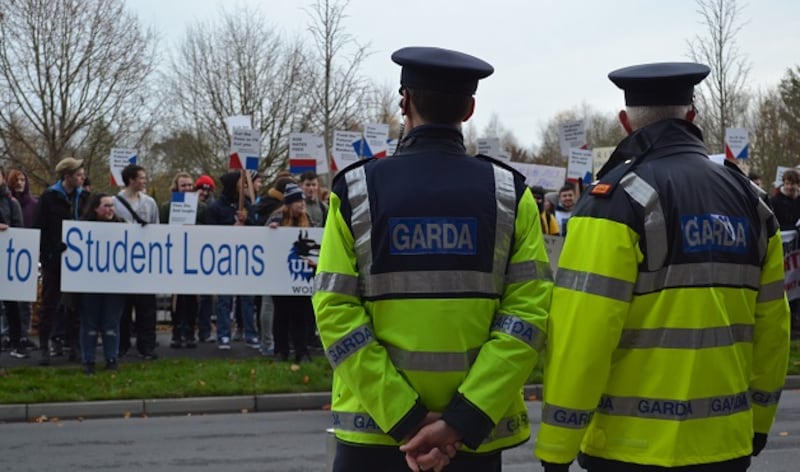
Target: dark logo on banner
(303,249)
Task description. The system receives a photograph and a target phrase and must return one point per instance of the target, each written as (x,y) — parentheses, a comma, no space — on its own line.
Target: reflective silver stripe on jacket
(349,344)
(594,284)
(527,271)
(363,423)
(655,226)
(356,422)
(674,410)
(429,281)
(506,200)
(508,427)
(360,217)
(520,329)
(771,292)
(566,417)
(432,361)
(765,213)
(393,283)
(338,283)
(704,274)
(686,338)
(762,398)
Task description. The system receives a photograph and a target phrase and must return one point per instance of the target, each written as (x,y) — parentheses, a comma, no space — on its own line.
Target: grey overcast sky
(548,55)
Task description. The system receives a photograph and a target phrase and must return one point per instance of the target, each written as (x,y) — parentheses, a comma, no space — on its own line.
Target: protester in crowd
(566,203)
(225,211)
(325,196)
(425,337)
(271,201)
(205,189)
(292,313)
(668,333)
(204,185)
(64,200)
(786,202)
(20,187)
(184,308)
(134,206)
(100,313)
(315,209)
(756,178)
(11,217)
(546,212)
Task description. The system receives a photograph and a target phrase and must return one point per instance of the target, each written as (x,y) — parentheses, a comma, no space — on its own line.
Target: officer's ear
(691,114)
(626,122)
(470,110)
(404,102)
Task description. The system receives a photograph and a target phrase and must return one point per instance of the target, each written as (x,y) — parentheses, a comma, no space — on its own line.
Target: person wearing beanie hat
(292,315)
(204,185)
(546,212)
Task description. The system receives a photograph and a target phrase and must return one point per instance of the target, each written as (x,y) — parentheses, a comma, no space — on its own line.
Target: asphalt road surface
(260,442)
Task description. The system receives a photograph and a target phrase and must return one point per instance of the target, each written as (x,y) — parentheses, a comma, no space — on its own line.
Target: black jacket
(786,209)
(10,210)
(55,206)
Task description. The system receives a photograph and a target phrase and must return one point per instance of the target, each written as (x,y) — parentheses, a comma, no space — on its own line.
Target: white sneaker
(224,343)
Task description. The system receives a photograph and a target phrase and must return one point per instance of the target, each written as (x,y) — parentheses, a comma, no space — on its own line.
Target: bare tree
(237,64)
(66,67)
(774,126)
(602,129)
(341,87)
(722,97)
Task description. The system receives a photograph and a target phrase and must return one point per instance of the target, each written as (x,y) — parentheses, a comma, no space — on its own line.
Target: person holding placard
(100,313)
(64,200)
(431,292)
(184,307)
(668,335)
(133,205)
(11,217)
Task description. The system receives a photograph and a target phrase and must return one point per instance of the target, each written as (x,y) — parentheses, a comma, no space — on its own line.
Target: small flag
(178,197)
(298,166)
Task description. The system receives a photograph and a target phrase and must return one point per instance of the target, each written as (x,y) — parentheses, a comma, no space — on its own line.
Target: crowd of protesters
(280,326)
(73,325)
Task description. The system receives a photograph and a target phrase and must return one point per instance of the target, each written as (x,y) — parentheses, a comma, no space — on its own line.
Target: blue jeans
(204,317)
(100,314)
(224,303)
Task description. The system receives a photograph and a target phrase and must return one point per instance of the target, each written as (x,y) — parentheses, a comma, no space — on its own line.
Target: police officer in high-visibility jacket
(432,289)
(669,332)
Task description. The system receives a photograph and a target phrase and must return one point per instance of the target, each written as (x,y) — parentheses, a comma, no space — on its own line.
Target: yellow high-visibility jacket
(669,331)
(431,299)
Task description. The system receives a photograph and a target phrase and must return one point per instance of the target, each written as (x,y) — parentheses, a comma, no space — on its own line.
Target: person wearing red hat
(205,189)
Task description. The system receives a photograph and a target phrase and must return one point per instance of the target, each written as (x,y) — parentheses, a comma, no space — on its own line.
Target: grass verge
(185,378)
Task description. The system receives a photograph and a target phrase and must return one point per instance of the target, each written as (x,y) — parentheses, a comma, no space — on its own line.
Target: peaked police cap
(440,70)
(659,84)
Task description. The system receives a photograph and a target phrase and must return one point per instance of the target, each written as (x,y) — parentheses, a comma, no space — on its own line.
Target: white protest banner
(791,264)
(553,246)
(376,135)
(489,147)
(183,208)
(572,134)
(779,175)
(549,177)
(224,260)
(600,156)
(118,159)
(238,121)
(19,259)
(717,158)
(303,152)
(579,165)
(343,151)
(245,149)
(391,147)
(736,143)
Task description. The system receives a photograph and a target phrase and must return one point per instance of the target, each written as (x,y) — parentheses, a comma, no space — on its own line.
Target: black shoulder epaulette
(352,166)
(605,186)
(500,163)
